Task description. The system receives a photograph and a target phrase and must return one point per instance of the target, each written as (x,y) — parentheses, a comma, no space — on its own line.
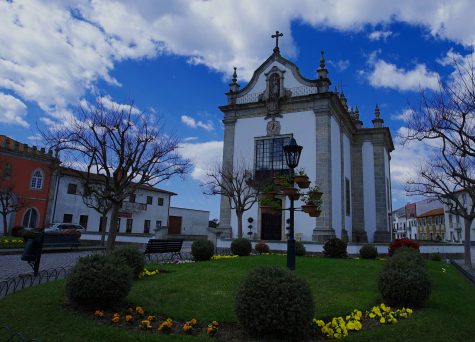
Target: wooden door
(271,227)
(174,224)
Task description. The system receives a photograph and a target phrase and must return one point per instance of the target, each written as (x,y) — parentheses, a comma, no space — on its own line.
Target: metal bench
(162,246)
(34,246)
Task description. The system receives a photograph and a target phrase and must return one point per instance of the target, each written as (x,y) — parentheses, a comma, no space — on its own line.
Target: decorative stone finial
(234,86)
(322,60)
(356,118)
(343,100)
(377,121)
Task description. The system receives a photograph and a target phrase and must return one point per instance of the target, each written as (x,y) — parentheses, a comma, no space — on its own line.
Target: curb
(467,274)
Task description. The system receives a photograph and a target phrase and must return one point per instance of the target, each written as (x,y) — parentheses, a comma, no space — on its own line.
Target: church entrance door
(271,227)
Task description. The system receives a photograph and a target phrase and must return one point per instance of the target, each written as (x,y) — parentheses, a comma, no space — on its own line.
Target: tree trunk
(103,228)
(5,228)
(468,257)
(112,228)
(239,219)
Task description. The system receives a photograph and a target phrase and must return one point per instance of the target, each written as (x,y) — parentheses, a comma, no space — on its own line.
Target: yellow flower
(128,318)
(150,318)
(146,324)
(99,313)
(382,320)
(139,310)
(115,319)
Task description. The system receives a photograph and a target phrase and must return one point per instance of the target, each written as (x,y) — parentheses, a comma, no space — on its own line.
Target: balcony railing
(131,206)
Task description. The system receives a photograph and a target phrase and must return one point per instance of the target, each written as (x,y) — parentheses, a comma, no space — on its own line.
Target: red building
(28,172)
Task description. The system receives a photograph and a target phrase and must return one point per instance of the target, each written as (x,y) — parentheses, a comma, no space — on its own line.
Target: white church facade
(350,163)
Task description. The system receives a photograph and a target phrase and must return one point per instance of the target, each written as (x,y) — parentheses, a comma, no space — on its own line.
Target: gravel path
(12,265)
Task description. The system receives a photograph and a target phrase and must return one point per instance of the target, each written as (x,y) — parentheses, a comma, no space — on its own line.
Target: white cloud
(403,116)
(377,35)
(190,122)
(12,110)
(387,75)
(53,52)
(340,65)
(204,157)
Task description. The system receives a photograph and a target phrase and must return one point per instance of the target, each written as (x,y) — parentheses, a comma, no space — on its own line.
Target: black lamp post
(292,153)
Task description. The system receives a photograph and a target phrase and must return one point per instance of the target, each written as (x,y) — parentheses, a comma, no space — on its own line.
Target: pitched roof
(433,212)
(75,173)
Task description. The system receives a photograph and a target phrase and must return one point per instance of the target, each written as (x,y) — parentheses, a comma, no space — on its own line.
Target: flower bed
(339,327)
(140,319)
(11,243)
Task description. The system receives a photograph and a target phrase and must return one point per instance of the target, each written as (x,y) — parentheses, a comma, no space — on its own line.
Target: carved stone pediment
(275,92)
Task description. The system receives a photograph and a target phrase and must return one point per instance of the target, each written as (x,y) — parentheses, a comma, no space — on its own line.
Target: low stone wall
(445,250)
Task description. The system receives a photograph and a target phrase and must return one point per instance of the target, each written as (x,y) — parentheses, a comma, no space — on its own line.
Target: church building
(349,162)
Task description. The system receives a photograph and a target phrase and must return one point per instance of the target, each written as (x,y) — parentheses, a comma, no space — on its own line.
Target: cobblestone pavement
(12,265)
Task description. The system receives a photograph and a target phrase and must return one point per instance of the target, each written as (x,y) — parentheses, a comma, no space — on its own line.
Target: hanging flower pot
(267,209)
(302,181)
(311,209)
(292,193)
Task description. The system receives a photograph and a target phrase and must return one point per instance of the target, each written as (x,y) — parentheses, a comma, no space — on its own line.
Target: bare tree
(121,148)
(445,120)
(94,196)
(237,186)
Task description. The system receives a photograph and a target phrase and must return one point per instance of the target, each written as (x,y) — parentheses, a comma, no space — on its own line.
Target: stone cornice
(381,135)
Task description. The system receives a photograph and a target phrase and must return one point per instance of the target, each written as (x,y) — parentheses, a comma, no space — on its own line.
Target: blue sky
(175,58)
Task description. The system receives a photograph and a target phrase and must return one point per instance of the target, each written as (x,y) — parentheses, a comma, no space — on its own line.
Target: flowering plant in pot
(280,178)
(301,179)
(313,202)
(269,191)
(269,206)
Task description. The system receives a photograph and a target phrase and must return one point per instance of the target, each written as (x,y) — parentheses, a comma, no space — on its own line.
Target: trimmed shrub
(98,281)
(398,243)
(133,257)
(273,302)
(406,255)
(404,283)
(369,252)
(261,247)
(335,248)
(241,247)
(300,249)
(202,250)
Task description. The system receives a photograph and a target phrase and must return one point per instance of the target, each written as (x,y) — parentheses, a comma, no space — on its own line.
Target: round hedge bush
(133,258)
(404,283)
(300,249)
(241,247)
(202,250)
(369,252)
(273,302)
(98,281)
(335,248)
(405,255)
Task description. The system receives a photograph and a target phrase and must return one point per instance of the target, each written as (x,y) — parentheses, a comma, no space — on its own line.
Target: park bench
(162,246)
(34,246)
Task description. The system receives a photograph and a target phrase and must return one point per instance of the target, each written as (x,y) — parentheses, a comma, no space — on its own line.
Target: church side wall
(347,174)
(301,124)
(336,177)
(387,170)
(369,190)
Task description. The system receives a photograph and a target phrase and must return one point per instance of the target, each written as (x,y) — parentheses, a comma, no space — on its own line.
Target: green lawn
(206,291)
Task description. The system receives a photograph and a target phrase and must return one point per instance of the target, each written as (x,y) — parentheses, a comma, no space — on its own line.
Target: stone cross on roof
(276,36)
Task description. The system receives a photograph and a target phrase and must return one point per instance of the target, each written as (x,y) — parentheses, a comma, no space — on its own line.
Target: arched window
(37,180)
(30,219)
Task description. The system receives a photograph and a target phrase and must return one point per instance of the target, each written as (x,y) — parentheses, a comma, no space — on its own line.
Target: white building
(350,163)
(186,221)
(145,212)
(454,224)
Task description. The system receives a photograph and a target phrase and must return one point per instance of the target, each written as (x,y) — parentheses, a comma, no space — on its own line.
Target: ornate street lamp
(292,153)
